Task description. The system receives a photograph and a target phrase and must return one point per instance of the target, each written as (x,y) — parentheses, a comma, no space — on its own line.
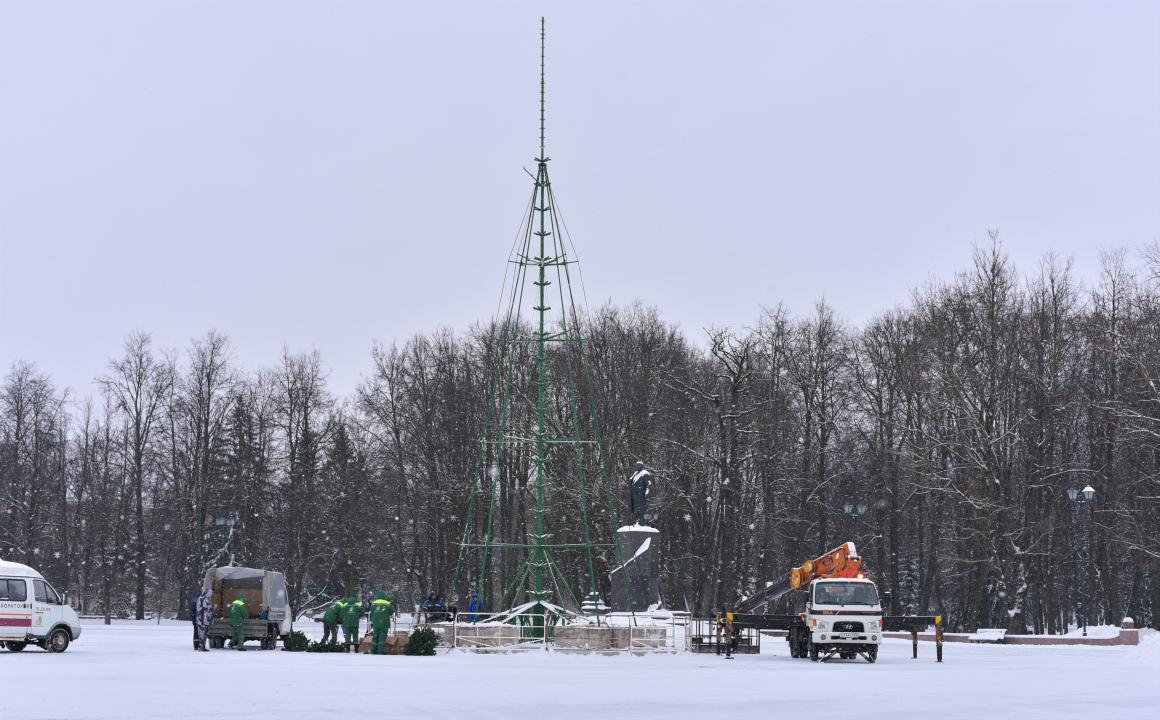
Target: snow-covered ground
(142,670)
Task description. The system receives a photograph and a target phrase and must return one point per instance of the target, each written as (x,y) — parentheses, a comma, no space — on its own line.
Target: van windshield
(845,593)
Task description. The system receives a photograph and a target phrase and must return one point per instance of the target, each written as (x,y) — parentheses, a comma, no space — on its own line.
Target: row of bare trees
(941,438)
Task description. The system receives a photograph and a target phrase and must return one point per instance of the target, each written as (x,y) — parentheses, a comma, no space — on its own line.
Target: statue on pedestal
(638,499)
(635,585)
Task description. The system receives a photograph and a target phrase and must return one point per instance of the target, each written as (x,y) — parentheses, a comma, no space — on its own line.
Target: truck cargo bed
(264,631)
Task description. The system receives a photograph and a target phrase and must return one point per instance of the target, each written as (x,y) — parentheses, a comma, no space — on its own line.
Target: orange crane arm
(841,562)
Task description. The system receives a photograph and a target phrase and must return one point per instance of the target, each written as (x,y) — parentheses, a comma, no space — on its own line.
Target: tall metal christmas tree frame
(541,252)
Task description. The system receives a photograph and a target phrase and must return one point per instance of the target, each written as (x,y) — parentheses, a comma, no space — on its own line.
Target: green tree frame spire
(543,423)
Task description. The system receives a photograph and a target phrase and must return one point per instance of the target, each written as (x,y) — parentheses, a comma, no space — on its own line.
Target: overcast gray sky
(325,174)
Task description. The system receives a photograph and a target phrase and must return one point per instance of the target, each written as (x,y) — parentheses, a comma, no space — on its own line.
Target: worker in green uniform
(238,617)
(351,615)
(381,611)
(330,620)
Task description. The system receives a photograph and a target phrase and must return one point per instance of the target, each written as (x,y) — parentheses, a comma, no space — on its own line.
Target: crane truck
(843,615)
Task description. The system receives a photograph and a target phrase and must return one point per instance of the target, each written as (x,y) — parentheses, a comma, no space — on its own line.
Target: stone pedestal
(634,579)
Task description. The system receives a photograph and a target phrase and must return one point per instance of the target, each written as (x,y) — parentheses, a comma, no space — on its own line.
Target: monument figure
(635,585)
(638,499)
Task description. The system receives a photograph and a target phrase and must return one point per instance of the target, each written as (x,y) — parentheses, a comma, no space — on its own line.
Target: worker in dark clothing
(193,618)
(330,621)
(351,616)
(238,617)
(381,611)
(724,622)
(730,644)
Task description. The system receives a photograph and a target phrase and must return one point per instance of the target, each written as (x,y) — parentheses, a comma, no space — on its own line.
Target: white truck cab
(31,612)
(844,618)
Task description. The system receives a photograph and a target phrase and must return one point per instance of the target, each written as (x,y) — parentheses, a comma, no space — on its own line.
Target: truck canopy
(266,587)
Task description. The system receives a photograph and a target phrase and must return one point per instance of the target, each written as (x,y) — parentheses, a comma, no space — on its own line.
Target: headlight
(823,625)
(875,625)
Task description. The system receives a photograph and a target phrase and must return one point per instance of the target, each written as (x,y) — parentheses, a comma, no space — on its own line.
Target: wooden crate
(396,644)
(225,596)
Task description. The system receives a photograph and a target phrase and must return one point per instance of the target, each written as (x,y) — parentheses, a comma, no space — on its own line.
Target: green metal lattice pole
(538,559)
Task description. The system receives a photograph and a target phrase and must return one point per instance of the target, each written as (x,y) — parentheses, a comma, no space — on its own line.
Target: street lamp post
(880,506)
(854,510)
(1082,501)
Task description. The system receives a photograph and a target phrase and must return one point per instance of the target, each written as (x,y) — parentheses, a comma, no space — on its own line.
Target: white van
(32,612)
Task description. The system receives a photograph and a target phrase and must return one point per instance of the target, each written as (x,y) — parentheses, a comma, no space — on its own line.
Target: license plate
(843,636)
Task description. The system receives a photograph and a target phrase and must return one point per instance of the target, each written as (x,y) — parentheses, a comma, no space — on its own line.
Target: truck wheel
(813,651)
(58,641)
(871,653)
(16,646)
(799,643)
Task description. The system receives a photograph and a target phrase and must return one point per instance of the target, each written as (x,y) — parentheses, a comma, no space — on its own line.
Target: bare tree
(138,383)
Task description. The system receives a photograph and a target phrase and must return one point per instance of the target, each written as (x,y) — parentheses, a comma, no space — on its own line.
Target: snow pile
(1095,631)
(639,551)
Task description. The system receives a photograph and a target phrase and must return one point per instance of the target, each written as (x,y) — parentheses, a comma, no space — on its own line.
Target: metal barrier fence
(615,633)
(706,635)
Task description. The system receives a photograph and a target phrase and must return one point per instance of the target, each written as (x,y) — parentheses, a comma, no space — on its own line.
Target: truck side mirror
(886,601)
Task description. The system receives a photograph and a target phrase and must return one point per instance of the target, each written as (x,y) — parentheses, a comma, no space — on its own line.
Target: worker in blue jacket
(474,607)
